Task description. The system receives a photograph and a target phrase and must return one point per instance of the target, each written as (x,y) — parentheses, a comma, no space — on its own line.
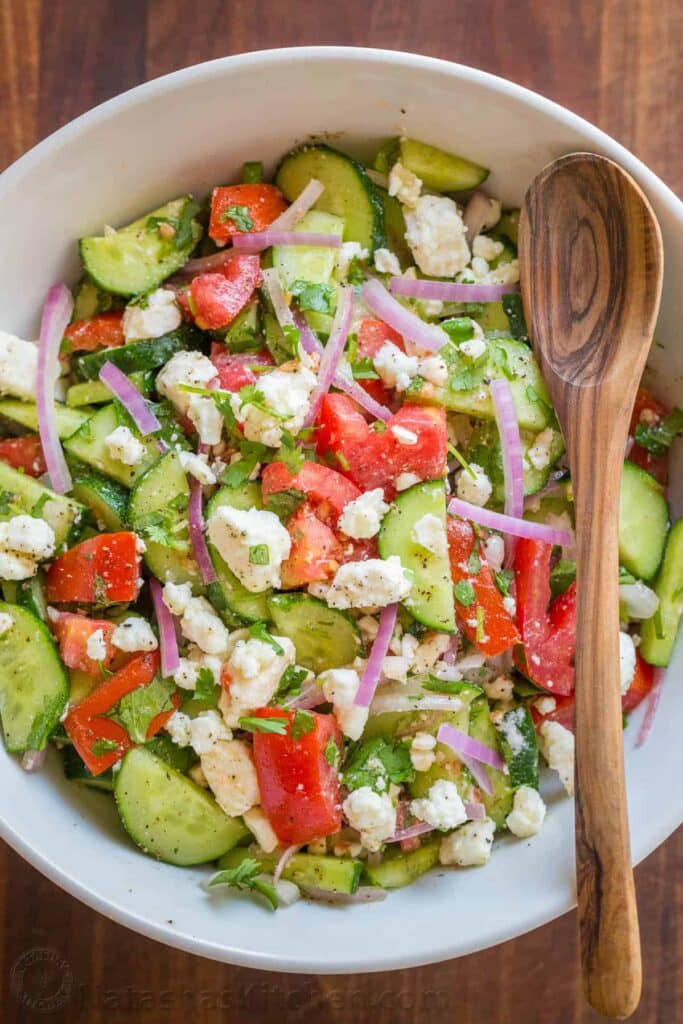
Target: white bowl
(188,131)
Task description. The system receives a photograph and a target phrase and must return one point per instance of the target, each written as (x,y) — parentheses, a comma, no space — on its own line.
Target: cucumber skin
(657,650)
(88,445)
(403,868)
(107,500)
(643,522)
(334,874)
(31,491)
(26,415)
(337,650)
(149,354)
(439,170)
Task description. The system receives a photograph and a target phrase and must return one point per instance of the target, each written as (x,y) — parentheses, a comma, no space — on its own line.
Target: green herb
(501,362)
(474,562)
(562,576)
(464,593)
(416,383)
(259,632)
(289,453)
(356,272)
(6,501)
(285,503)
(259,554)
(318,298)
(247,877)
(375,760)
(625,577)
(480,635)
(362,369)
(450,686)
(459,328)
(223,400)
(462,460)
(252,172)
(302,723)
(332,753)
(240,217)
(379,427)
(533,396)
(504,578)
(512,307)
(137,709)
(102,747)
(207,691)
(183,234)
(292,338)
(290,683)
(251,395)
(660,436)
(266,725)
(168,526)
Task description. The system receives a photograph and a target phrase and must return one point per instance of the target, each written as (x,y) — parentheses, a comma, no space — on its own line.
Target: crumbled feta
(253,672)
(403,436)
(557,747)
(437,236)
(206,418)
(206,730)
(124,446)
(187,673)
(197,466)
(134,634)
(434,370)
(429,532)
(469,846)
(188,368)
(178,728)
(362,517)
(160,315)
(442,808)
(26,535)
(405,185)
(494,550)
(527,814)
(639,600)
(544,705)
(386,262)
(375,582)
(202,626)
(422,753)
(372,814)
(254,544)
(287,393)
(539,453)
(473,348)
(340,686)
(6,622)
(261,829)
(431,307)
(500,688)
(395,368)
(368,627)
(479,272)
(627,661)
(405,480)
(96,646)
(396,668)
(18,367)
(476,490)
(349,252)
(177,596)
(231,774)
(429,651)
(488,248)
(510,605)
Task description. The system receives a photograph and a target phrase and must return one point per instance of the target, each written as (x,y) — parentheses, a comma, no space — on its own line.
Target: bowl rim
(270,58)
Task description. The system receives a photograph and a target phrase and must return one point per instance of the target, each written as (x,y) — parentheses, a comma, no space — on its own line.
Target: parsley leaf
(292,336)
(501,362)
(259,632)
(332,753)
(464,593)
(363,369)
(247,876)
(265,725)
(290,683)
(285,503)
(102,747)
(288,453)
(504,578)
(450,686)
(136,710)
(512,307)
(459,328)
(562,576)
(657,438)
(302,723)
(318,298)
(474,562)
(239,215)
(6,501)
(376,763)
(259,554)
(207,690)
(183,233)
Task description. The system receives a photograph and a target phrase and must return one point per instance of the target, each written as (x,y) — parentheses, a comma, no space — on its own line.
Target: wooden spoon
(590,254)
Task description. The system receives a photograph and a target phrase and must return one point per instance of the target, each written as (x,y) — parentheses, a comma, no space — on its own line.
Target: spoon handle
(608,916)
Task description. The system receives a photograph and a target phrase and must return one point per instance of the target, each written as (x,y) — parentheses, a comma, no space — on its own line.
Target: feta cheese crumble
(395,368)
(442,808)
(527,814)
(253,543)
(252,674)
(231,774)
(403,436)
(430,534)
(202,626)
(422,755)
(362,517)
(134,634)
(375,582)
(24,542)
(124,446)
(283,405)
(437,236)
(340,686)
(197,466)
(386,262)
(557,747)
(404,185)
(189,368)
(159,315)
(372,814)
(469,846)
(405,480)
(96,646)
(476,490)
(18,367)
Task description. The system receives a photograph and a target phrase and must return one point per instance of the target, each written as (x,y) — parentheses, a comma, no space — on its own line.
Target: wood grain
(619,63)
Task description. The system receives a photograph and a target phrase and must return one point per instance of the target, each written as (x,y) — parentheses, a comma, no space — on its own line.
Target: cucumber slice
(229,595)
(89,301)
(139,355)
(398,868)
(157,510)
(643,522)
(669,588)
(163,747)
(25,414)
(349,192)
(167,815)
(76,771)
(498,804)
(136,258)
(334,874)
(395,228)
(508,225)
(519,744)
(438,170)
(309,262)
(24,494)
(96,392)
(34,686)
(324,637)
(89,444)
(107,500)
(431,598)
(244,333)
(484,449)
(29,594)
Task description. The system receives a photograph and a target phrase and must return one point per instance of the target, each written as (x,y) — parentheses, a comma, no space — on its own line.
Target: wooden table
(618,63)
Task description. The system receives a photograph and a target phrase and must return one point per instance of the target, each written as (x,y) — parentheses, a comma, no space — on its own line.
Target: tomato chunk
(373,334)
(100,570)
(485,621)
(262,203)
(643,680)
(647,409)
(316,551)
(73,632)
(234,368)
(102,331)
(24,453)
(217,298)
(299,787)
(326,489)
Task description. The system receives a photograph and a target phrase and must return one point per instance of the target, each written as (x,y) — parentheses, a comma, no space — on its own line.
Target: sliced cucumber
(334,874)
(96,392)
(162,746)
(498,804)
(135,259)
(309,262)
(244,333)
(517,737)
(643,522)
(167,815)
(29,594)
(398,868)
(139,355)
(484,449)
(438,170)
(89,444)
(107,500)
(24,494)
(324,637)
(395,228)
(34,686)
(157,508)
(25,414)
(431,598)
(659,633)
(232,597)
(508,225)
(89,301)
(349,192)
(76,771)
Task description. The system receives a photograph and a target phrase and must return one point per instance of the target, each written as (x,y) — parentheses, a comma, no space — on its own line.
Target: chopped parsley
(474,562)
(317,298)
(207,690)
(278,726)
(102,747)
(332,753)
(259,632)
(512,307)
(660,436)
(252,172)
(376,763)
(285,503)
(239,215)
(290,684)
(136,710)
(247,876)
(464,593)
(302,723)
(259,554)
(504,578)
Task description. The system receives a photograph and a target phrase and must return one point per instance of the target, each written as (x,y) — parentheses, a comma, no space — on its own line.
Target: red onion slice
(475,214)
(34,760)
(329,361)
(447,291)
(130,398)
(196,519)
(301,205)
(475,811)
(380,646)
(257,241)
(284,861)
(511,444)
(168,642)
(205,264)
(506,524)
(478,773)
(461,743)
(377,298)
(420,828)
(57,312)
(271,283)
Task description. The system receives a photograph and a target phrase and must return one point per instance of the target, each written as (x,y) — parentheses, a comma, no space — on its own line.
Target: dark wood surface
(618,63)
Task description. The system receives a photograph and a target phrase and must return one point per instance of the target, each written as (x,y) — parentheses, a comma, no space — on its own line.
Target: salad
(286,530)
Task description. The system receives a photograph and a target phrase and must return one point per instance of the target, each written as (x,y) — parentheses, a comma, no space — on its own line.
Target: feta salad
(286,530)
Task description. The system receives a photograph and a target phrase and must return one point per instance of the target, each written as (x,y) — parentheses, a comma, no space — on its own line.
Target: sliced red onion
(511,445)
(653,699)
(311,696)
(196,519)
(168,642)
(205,264)
(475,811)
(57,312)
(476,214)
(257,241)
(478,773)
(461,743)
(283,313)
(301,205)
(34,760)
(329,361)
(380,646)
(506,524)
(130,398)
(377,298)
(450,656)
(447,291)
(308,338)
(420,828)
(363,894)
(284,861)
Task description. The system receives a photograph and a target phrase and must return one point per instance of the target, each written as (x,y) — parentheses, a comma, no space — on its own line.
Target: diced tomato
(100,570)
(485,621)
(73,632)
(326,489)
(647,409)
(264,203)
(643,680)
(373,334)
(24,453)
(563,712)
(298,785)
(218,298)
(316,551)
(374,459)
(102,331)
(234,368)
(548,627)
